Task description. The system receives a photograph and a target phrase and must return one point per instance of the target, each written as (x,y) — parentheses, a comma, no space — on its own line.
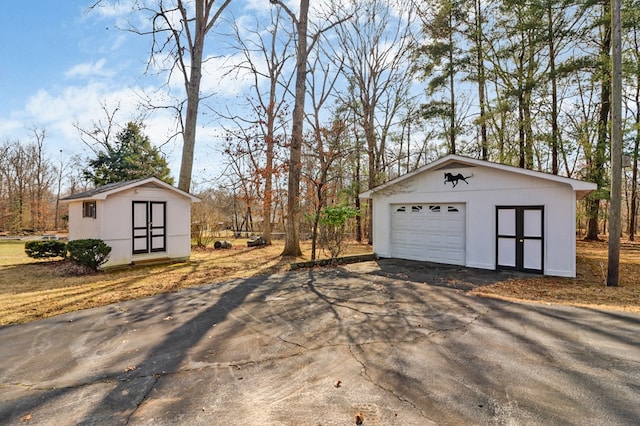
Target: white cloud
(9,128)
(89,69)
(58,109)
(113,9)
(220,76)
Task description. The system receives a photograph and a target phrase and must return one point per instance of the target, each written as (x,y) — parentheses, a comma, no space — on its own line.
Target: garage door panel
(429,232)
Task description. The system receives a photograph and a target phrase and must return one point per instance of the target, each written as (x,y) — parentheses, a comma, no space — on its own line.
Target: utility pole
(615,225)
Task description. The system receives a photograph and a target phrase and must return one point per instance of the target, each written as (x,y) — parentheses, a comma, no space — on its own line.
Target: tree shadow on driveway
(436,274)
(318,346)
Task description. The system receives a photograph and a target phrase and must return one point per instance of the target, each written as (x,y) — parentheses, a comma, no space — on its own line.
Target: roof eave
(132,185)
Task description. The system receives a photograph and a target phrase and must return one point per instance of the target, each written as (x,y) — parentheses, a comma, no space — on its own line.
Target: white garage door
(428,232)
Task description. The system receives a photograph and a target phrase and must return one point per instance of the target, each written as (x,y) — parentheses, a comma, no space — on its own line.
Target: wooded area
(390,86)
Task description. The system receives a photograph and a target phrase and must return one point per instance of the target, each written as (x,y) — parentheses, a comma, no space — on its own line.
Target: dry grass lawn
(588,289)
(34,289)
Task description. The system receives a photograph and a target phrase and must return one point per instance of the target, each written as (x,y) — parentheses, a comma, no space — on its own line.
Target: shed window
(89,209)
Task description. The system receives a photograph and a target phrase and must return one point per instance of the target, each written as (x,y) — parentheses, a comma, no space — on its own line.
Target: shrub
(334,220)
(45,249)
(89,252)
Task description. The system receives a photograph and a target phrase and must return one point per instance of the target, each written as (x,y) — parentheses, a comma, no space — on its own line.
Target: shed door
(429,232)
(149,227)
(520,238)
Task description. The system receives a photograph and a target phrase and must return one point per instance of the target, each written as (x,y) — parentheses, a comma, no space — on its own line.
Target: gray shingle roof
(99,190)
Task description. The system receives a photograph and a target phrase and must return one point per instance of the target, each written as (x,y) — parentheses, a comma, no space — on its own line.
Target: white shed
(474,213)
(142,220)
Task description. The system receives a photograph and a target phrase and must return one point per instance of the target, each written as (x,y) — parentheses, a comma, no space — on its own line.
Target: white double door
(149,226)
(520,238)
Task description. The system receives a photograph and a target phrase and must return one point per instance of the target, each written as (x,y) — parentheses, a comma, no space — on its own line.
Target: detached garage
(474,213)
(142,220)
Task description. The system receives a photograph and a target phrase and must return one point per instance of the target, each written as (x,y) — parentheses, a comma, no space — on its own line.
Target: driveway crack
(367,377)
(144,397)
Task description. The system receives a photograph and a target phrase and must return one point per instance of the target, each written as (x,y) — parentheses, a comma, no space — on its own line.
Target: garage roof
(451,161)
(102,192)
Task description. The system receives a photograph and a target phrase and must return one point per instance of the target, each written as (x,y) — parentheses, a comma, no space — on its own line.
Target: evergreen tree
(131,157)
(443,59)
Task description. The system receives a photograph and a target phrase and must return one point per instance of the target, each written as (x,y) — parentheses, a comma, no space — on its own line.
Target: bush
(45,249)
(89,252)
(334,220)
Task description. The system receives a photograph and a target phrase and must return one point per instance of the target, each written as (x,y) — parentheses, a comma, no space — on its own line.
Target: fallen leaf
(25,418)
(130,368)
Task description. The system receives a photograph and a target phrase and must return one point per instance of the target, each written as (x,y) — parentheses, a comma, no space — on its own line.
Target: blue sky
(59,64)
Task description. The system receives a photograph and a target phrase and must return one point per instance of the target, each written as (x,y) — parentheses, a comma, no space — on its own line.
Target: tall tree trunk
(554,91)
(267,202)
(192,87)
(357,192)
(452,88)
(596,168)
(634,171)
(292,225)
(633,213)
(481,80)
(528,128)
(615,214)
(189,133)
(522,163)
(203,22)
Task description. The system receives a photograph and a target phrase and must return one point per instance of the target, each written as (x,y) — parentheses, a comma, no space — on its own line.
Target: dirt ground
(588,289)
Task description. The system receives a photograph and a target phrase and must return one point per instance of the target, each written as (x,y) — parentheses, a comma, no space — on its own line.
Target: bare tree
(41,179)
(304,46)
(265,56)
(292,237)
(26,178)
(376,44)
(326,144)
(179,31)
(99,136)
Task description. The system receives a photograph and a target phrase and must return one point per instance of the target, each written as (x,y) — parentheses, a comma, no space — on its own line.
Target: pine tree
(131,157)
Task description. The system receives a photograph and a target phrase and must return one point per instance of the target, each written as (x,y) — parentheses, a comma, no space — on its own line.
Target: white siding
(487,188)
(84,227)
(113,224)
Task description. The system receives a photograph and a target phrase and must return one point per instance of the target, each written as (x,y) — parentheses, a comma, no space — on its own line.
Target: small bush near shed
(89,252)
(45,249)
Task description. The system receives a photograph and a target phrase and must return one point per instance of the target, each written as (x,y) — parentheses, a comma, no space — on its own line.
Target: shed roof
(451,161)
(102,192)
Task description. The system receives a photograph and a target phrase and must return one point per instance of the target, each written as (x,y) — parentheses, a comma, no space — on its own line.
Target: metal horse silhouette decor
(455,179)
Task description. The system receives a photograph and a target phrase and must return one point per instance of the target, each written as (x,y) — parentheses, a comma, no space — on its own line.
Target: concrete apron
(364,343)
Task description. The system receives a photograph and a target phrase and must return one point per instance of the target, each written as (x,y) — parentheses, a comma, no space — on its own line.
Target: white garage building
(474,213)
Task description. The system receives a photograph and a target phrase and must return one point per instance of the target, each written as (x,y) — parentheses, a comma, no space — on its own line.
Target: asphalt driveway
(384,343)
